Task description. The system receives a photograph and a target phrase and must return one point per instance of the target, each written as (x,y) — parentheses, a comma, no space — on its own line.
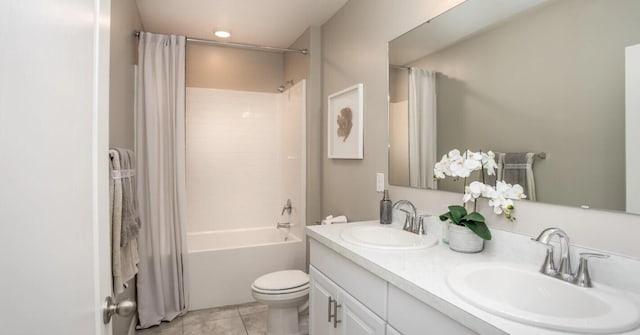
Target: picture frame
(345,123)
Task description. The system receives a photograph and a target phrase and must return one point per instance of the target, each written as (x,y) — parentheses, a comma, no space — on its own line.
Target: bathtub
(224,264)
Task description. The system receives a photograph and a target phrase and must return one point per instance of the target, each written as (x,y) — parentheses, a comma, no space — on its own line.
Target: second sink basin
(530,297)
(388,238)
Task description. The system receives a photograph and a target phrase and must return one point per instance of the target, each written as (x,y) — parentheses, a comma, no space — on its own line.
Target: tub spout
(283,225)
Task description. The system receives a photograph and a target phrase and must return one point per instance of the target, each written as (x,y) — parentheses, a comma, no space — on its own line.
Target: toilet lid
(281,280)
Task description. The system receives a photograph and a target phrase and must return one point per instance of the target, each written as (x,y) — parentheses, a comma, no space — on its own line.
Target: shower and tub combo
(245,159)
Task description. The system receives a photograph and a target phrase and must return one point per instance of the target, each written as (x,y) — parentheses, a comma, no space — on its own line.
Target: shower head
(282,87)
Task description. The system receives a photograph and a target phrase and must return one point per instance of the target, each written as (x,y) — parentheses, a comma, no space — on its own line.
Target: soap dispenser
(385,208)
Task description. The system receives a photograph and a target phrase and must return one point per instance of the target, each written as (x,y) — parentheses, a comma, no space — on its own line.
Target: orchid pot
(467,231)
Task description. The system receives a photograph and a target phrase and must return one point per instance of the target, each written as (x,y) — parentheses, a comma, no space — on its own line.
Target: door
(392,331)
(54,202)
(320,307)
(356,319)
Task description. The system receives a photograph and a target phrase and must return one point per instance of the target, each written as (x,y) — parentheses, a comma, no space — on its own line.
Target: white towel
(331,219)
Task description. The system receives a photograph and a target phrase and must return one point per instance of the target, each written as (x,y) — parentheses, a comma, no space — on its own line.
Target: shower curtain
(160,153)
(422,127)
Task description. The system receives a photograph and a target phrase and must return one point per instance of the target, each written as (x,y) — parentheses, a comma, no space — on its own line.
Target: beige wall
(399,84)
(297,67)
(125,20)
(582,105)
(354,46)
(233,69)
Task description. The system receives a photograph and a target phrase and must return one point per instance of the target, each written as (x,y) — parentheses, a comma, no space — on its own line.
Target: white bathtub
(224,264)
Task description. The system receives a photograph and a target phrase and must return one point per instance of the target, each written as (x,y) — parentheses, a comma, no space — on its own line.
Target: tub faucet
(283,225)
(287,207)
(411,223)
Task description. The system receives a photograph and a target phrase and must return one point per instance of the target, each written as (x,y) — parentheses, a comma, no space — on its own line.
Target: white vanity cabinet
(346,299)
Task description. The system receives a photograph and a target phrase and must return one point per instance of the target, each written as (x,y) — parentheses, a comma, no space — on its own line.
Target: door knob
(123,308)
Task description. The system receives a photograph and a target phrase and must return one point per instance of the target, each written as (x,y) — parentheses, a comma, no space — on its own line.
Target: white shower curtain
(160,153)
(422,127)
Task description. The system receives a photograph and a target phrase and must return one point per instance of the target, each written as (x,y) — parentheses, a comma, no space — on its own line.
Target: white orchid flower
(472,164)
(476,156)
(457,167)
(515,192)
(441,169)
(509,191)
(454,153)
(489,162)
(500,205)
(473,191)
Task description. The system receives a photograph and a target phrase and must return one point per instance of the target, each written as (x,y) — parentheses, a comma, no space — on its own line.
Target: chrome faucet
(286,225)
(581,277)
(412,222)
(287,207)
(548,266)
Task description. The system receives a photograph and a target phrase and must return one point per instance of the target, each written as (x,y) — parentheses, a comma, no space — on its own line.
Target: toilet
(286,293)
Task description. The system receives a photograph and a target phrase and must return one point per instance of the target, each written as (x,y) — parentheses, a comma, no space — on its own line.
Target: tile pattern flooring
(246,319)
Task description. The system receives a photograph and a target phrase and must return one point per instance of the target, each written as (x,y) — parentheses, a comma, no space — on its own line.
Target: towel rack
(122,173)
(541,155)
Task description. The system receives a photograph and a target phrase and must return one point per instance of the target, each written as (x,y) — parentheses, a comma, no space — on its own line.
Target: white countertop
(423,273)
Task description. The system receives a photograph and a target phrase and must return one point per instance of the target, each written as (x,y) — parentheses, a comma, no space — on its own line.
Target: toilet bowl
(286,293)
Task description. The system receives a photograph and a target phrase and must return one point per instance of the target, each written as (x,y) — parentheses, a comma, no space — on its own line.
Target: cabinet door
(392,331)
(412,317)
(321,290)
(356,319)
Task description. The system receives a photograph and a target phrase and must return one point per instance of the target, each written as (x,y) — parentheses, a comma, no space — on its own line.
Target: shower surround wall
(232,159)
(245,158)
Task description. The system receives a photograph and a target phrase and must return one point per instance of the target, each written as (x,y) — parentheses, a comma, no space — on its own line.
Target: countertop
(423,273)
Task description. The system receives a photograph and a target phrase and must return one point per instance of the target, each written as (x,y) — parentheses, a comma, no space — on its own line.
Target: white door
(356,319)
(321,290)
(54,231)
(392,331)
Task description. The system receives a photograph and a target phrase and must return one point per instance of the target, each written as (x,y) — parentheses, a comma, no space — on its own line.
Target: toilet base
(283,321)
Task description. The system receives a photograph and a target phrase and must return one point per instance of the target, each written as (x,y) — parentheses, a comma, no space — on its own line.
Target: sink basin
(388,238)
(527,296)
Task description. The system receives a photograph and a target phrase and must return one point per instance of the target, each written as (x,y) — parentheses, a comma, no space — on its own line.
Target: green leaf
(457,213)
(479,228)
(473,216)
(446,216)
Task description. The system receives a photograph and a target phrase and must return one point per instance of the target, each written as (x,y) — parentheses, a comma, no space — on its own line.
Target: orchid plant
(461,165)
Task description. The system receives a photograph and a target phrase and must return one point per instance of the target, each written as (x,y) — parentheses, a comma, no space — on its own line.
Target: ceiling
(276,23)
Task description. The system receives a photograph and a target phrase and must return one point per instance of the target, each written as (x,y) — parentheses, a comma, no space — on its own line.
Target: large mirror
(540,83)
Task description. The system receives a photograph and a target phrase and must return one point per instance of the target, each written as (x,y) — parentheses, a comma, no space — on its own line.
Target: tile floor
(246,319)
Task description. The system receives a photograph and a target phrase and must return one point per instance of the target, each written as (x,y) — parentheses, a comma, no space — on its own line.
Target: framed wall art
(345,123)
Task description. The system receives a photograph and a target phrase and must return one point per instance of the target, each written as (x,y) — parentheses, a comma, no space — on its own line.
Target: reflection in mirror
(520,78)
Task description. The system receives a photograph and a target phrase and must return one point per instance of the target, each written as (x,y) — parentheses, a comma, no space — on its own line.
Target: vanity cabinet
(364,303)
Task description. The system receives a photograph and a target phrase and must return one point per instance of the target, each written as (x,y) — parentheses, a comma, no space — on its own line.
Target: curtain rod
(241,45)
(400,67)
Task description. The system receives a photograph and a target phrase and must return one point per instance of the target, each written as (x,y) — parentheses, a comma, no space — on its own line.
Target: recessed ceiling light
(222,34)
